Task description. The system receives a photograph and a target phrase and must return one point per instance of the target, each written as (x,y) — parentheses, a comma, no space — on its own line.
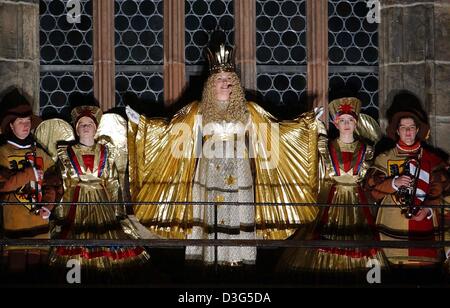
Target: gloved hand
(318,111)
(133,116)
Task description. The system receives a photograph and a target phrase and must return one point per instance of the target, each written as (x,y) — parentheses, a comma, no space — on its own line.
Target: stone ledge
(422,62)
(440,119)
(21,2)
(387,4)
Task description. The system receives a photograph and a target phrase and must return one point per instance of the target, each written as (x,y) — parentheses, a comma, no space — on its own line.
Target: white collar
(18,145)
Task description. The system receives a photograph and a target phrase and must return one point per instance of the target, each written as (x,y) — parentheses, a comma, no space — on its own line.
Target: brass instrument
(405,196)
(34,197)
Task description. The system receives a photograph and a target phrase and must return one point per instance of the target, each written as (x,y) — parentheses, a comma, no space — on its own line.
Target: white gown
(227,178)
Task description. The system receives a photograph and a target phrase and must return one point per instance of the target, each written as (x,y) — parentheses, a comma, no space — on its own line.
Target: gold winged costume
(169,172)
(93,174)
(342,170)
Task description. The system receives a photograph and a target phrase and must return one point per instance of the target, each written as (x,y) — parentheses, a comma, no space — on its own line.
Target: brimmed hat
(16,106)
(345,105)
(406,104)
(424,127)
(92,112)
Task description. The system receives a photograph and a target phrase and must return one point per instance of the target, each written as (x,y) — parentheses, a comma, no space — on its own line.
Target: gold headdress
(221,60)
(92,112)
(345,105)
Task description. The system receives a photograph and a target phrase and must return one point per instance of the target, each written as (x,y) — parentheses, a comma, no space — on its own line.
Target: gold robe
(342,169)
(90,175)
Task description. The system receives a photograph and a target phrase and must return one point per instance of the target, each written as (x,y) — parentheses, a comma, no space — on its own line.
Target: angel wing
(368,128)
(112,131)
(284,175)
(52,132)
(157,175)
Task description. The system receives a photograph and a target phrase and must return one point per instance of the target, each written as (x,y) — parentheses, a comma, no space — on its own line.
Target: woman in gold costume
(227,154)
(90,172)
(343,165)
(223,178)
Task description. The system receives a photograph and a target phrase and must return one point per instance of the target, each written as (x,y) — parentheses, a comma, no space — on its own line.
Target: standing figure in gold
(219,156)
(343,165)
(221,177)
(93,174)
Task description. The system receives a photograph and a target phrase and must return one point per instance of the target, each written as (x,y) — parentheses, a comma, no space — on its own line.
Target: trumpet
(406,195)
(34,195)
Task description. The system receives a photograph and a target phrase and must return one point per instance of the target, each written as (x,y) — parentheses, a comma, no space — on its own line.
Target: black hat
(15,105)
(408,105)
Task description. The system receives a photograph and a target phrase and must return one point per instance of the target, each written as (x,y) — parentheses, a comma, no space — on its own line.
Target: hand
(33,172)
(50,207)
(45,211)
(421,215)
(403,180)
(318,111)
(133,116)
(40,173)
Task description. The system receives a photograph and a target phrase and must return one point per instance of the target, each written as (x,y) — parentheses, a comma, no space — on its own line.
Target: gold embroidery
(220,198)
(230,180)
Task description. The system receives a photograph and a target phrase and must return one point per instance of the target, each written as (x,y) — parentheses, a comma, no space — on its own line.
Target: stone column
(174,60)
(245,41)
(104,56)
(415,55)
(317,45)
(19,47)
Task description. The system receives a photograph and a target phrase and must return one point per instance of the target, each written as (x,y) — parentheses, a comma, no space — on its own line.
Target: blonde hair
(236,110)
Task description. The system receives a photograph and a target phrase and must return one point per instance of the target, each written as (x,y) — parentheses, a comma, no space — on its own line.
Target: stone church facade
(153,49)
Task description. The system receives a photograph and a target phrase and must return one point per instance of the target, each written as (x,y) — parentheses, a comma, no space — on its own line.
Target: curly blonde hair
(236,110)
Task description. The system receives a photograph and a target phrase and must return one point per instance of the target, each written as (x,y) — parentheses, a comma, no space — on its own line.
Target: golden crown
(221,60)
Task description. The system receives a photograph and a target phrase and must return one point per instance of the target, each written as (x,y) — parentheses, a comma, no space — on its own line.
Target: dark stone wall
(415,55)
(19,47)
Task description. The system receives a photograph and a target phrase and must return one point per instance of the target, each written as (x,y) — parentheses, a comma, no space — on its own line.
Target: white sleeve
(392,183)
(430,215)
